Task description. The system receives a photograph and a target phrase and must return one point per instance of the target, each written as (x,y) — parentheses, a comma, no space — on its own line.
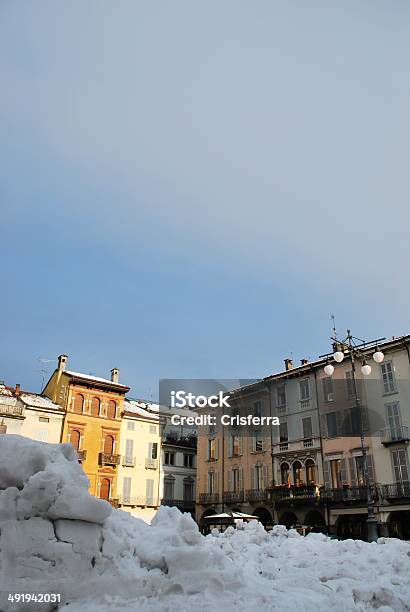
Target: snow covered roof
(135,408)
(96,379)
(34,400)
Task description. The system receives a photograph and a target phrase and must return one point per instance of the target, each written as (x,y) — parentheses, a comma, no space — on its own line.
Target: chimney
(304,361)
(62,362)
(114,375)
(17,389)
(288,364)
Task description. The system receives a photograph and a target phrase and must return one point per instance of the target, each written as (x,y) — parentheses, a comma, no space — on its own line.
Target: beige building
(30,414)
(140,465)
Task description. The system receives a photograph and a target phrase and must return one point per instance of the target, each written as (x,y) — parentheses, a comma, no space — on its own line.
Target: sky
(190,189)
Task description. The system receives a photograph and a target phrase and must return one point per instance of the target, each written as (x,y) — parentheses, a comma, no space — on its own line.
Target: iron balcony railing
(181,504)
(398,434)
(151,464)
(137,500)
(294,493)
(9,410)
(208,498)
(81,454)
(256,495)
(109,459)
(233,497)
(396,490)
(128,461)
(346,494)
(115,502)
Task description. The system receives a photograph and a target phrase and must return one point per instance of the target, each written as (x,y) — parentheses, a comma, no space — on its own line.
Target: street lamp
(354,348)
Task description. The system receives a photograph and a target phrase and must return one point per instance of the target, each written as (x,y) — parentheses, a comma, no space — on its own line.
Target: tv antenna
(44,370)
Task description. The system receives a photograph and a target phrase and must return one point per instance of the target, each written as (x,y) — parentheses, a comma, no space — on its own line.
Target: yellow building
(139,469)
(92,423)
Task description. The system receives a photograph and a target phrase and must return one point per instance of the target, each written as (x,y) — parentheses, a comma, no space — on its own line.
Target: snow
(54,537)
(136,408)
(39,401)
(95,378)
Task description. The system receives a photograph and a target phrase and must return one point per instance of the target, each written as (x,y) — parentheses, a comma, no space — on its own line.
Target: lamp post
(356,348)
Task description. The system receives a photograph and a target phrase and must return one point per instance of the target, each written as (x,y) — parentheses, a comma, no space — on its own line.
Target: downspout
(321,447)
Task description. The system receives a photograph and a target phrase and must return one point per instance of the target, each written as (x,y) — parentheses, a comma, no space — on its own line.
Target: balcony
(296,445)
(294,494)
(136,500)
(185,505)
(128,461)
(8,410)
(392,436)
(398,490)
(151,464)
(305,404)
(81,454)
(115,503)
(256,495)
(233,497)
(346,494)
(109,459)
(208,498)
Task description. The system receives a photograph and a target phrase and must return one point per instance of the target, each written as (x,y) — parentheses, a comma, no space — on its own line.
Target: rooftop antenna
(332,316)
(44,370)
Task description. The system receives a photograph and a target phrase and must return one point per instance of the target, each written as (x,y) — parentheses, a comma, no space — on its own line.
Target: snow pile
(55,538)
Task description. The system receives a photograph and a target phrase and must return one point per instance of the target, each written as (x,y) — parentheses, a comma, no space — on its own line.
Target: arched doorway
(297,473)
(315,520)
(288,519)
(264,517)
(310,468)
(78,403)
(109,445)
(284,473)
(105,489)
(95,406)
(398,525)
(112,409)
(75,438)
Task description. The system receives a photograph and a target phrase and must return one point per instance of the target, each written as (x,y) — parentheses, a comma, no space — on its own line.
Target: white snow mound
(56,538)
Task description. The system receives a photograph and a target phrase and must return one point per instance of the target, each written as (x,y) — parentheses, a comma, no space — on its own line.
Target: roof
(33,400)
(96,379)
(134,408)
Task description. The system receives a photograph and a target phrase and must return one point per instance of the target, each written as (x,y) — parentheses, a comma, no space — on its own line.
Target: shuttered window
(149,487)
(129,450)
(126,489)
(388,378)
(78,403)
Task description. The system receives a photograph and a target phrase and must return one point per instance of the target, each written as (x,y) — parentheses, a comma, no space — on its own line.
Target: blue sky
(191,189)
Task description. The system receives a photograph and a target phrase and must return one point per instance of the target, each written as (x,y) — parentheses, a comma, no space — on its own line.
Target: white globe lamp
(338,356)
(378,356)
(366,369)
(329,369)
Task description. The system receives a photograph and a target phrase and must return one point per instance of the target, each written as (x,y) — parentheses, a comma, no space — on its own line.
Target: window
(152,450)
(297,473)
(331,424)
(283,432)
(75,438)
(211,429)
(388,378)
(236,480)
(95,406)
(304,389)
(281,396)
(400,465)
(109,445)
(236,445)
(105,487)
(211,482)
(149,489)
(394,420)
(359,467)
(188,490)
(335,473)
(112,410)
(188,461)
(328,392)
(169,488)
(310,472)
(257,409)
(259,477)
(284,473)
(211,449)
(129,451)
(131,425)
(126,490)
(257,442)
(349,384)
(169,458)
(78,403)
(44,419)
(153,429)
(307,427)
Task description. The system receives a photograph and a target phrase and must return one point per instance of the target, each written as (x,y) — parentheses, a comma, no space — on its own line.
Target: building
(92,423)
(178,461)
(309,471)
(30,414)
(139,467)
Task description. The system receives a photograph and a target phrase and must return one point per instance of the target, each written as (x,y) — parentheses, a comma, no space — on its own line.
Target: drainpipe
(321,447)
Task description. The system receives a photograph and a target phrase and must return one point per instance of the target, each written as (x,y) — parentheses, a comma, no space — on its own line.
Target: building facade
(92,423)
